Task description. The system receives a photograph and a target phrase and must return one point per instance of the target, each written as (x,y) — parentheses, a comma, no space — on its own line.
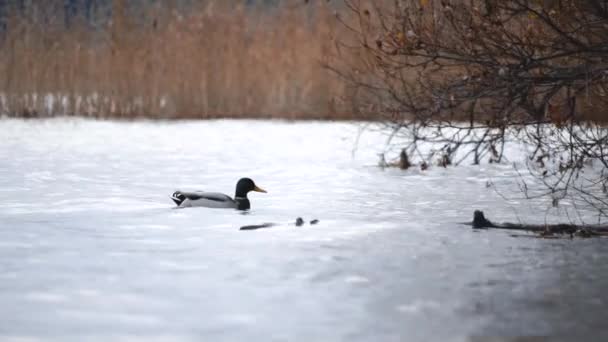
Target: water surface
(92,248)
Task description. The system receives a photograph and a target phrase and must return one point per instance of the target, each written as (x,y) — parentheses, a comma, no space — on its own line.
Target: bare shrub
(465,76)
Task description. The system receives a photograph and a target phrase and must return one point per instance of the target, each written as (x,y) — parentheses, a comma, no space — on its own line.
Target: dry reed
(215,60)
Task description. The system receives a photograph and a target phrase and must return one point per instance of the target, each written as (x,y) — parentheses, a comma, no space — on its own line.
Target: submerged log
(587,230)
(298,223)
(258,226)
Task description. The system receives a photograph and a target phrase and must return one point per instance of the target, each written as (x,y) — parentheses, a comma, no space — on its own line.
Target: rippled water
(91,246)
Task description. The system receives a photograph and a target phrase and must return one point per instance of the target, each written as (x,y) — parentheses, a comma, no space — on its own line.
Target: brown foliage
(217,60)
(484,60)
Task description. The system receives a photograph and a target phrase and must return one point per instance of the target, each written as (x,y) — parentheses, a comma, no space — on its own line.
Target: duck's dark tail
(178,197)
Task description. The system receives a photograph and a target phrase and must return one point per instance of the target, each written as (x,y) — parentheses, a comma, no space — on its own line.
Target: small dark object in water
(313,222)
(480,221)
(299,222)
(258,226)
(404,160)
(445,161)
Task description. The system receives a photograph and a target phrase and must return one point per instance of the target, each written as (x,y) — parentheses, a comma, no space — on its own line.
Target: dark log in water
(258,226)
(480,222)
(298,223)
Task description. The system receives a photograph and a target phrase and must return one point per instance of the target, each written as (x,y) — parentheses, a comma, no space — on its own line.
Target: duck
(218,200)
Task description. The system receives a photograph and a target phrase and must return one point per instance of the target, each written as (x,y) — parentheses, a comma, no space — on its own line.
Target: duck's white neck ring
(240,198)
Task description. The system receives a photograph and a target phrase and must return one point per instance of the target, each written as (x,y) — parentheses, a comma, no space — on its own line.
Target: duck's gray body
(203,199)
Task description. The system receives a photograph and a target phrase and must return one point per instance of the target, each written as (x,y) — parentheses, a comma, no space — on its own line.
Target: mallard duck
(216,199)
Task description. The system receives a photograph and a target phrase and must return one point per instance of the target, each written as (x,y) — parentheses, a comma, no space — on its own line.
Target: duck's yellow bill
(255,188)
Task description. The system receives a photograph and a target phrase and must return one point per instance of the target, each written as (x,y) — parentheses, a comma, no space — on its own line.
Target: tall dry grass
(217,59)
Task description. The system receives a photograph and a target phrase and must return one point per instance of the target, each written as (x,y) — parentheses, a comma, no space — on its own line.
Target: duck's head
(244,186)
